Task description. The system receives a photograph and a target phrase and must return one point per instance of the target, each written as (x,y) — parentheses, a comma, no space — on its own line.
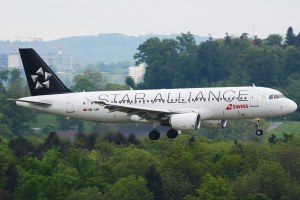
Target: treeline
(117,167)
(230,61)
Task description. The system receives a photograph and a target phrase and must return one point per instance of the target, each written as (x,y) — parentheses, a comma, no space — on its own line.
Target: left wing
(142,111)
(150,113)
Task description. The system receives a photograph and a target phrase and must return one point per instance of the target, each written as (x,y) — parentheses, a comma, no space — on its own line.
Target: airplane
(179,109)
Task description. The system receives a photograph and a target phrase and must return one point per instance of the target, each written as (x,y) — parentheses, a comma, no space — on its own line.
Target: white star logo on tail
(46,76)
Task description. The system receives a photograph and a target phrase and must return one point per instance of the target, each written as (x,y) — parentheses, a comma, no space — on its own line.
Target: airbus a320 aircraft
(179,109)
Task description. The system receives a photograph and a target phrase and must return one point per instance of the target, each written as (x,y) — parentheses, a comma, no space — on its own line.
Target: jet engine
(186,121)
(214,124)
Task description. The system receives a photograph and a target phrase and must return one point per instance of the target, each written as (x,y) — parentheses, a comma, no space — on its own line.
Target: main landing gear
(172,133)
(155,135)
(258,132)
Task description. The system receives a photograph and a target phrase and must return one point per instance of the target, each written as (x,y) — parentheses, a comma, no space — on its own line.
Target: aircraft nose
(293,106)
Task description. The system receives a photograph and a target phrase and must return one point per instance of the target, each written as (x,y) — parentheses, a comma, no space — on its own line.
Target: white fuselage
(210,103)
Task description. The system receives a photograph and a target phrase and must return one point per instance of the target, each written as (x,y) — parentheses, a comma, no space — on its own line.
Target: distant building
(137,72)
(3,61)
(14,61)
(59,62)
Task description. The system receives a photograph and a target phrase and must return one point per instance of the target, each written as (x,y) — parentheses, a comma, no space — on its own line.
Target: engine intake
(186,121)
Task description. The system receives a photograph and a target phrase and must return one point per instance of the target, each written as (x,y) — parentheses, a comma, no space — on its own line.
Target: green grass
(289,127)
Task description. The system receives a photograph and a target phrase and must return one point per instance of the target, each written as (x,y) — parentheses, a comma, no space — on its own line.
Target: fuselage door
(254,99)
(70,104)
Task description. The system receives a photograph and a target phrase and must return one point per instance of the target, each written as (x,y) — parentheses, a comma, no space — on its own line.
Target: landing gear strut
(154,134)
(172,133)
(258,132)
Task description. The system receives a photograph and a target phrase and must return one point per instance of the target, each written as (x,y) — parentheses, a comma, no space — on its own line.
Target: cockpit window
(276,96)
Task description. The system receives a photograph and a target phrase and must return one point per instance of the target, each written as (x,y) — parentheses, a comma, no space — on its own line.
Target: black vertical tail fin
(41,79)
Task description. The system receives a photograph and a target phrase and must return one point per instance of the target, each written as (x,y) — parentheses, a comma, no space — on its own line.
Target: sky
(53,19)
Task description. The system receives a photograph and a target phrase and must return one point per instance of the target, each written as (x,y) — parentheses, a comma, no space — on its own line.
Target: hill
(112,47)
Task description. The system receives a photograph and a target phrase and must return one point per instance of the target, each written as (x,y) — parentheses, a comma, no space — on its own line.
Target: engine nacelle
(186,121)
(214,123)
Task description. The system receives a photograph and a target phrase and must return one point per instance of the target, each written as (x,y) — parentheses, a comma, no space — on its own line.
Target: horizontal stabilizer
(38,103)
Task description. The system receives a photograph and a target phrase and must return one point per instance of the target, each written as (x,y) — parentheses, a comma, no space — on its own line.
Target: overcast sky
(53,19)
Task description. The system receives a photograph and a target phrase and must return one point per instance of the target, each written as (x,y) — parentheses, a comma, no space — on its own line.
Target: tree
(91,140)
(88,172)
(132,139)
(7,163)
(244,36)
(130,82)
(273,39)
(160,57)
(51,141)
(50,179)
(185,72)
(128,188)
(154,183)
(258,196)
(89,193)
(4,75)
(114,87)
(298,40)
(209,63)
(90,80)
(21,146)
(290,38)
(271,182)
(257,41)
(12,178)
(186,42)
(215,188)
(131,161)
(83,83)
(15,118)
(291,61)
(227,39)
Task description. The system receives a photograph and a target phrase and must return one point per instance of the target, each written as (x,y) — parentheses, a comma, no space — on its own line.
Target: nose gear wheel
(259,131)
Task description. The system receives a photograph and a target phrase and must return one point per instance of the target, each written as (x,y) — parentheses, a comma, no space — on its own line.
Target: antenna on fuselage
(253,85)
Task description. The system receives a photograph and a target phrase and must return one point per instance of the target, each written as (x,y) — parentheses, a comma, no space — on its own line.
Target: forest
(198,165)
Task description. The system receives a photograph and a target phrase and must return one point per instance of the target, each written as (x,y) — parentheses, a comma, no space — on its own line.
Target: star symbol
(46,81)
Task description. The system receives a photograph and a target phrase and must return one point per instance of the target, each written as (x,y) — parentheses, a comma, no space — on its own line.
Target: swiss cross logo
(240,106)
(229,107)
(45,79)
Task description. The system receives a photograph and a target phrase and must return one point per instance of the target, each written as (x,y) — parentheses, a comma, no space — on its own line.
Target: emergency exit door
(70,104)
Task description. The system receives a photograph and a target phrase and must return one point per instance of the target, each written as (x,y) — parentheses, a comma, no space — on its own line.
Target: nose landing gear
(258,132)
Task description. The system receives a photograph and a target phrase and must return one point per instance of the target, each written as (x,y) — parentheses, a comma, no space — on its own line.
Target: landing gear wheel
(154,135)
(172,133)
(259,132)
